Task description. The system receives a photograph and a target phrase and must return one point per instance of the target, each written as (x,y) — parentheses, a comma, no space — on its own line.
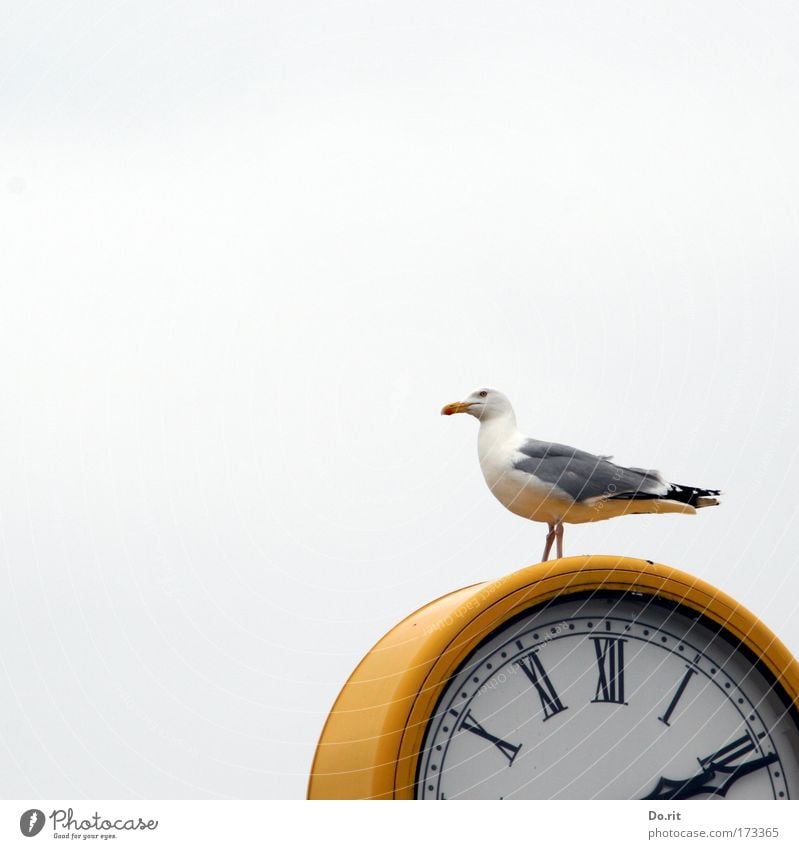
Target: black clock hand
(702,783)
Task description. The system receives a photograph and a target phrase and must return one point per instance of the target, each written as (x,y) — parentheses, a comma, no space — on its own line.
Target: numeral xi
(550,701)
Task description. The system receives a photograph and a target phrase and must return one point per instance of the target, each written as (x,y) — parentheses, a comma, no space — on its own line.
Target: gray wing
(583,475)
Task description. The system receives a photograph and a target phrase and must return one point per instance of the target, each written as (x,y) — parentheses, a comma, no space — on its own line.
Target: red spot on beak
(457,407)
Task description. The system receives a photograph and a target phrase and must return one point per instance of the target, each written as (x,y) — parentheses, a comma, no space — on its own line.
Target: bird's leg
(559,538)
(550,540)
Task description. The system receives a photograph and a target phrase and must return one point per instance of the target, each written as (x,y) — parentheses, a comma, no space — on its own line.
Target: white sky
(250,249)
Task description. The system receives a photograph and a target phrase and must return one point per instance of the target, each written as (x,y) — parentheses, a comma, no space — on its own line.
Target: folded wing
(585,476)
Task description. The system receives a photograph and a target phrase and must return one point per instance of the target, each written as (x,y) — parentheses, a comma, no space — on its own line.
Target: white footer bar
(386,825)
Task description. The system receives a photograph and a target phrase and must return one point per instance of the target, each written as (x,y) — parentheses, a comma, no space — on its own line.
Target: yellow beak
(457,407)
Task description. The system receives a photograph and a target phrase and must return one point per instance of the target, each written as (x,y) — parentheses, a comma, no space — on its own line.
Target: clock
(582,678)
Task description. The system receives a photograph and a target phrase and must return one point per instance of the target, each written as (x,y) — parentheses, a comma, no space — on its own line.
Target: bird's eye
(482,393)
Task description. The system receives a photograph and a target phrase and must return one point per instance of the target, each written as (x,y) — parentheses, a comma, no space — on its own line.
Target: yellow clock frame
(370,744)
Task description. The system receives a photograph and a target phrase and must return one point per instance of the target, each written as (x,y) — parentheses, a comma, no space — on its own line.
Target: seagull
(554,483)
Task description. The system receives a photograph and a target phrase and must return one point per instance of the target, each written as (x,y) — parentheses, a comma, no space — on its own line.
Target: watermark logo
(65,824)
(31,822)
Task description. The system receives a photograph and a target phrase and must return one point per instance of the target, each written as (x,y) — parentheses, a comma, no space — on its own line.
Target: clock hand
(702,783)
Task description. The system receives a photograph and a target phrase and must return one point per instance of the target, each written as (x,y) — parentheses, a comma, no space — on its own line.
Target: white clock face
(610,696)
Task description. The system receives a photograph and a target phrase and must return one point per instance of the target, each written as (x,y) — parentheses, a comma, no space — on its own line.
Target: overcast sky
(248,252)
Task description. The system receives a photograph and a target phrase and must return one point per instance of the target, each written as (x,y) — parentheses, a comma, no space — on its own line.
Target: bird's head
(483,404)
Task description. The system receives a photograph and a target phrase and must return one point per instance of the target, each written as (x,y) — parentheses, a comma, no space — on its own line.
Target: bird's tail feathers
(690,496)
(694,496)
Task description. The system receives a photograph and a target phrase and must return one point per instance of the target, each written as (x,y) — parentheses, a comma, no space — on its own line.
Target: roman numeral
(550,701)
(610,660)
(508,750)
(676,698)
(731,752)
(719,772)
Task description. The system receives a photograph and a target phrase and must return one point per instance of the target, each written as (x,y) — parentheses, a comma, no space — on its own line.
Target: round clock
(584,678)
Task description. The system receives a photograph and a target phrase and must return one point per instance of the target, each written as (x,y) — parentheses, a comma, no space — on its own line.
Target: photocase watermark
(467,607)
(67,826)
(31,822)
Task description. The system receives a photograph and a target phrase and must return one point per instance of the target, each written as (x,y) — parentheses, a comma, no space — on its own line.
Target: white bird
(554,483)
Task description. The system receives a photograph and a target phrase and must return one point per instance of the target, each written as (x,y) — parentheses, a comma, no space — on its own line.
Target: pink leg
(550,540)
(559,538)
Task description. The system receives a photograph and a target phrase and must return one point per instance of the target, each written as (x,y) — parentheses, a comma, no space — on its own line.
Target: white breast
(521,493)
